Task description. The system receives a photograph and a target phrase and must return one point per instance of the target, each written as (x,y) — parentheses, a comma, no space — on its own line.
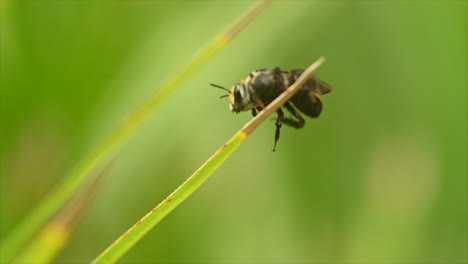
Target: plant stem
(110,146)
(152,218)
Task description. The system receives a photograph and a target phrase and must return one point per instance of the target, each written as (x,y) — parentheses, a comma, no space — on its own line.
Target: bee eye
(237,93)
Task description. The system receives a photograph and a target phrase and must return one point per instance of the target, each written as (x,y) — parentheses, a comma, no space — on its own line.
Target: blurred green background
(381,176)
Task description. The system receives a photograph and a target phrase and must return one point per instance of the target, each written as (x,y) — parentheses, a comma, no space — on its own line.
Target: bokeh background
(380,177)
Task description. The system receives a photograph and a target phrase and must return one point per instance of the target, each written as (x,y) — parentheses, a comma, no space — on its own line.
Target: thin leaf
(151,219)
(107,150)
(54,236)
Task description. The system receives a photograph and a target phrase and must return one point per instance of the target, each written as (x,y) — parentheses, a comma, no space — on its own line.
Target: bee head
(239,97)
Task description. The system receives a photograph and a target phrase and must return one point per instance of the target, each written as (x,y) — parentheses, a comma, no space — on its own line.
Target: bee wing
(323,87)
(308,103)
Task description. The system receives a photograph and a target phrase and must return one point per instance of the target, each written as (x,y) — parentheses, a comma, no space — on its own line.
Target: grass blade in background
(151,219)
(56,233)
(107,149)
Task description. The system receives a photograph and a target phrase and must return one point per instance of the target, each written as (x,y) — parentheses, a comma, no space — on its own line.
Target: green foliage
(379,177)
(152,218)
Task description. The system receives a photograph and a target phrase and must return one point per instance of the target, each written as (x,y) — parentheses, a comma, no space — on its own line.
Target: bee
(262,86)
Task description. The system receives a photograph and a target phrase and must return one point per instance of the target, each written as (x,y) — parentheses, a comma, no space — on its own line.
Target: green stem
(152,218)
(106,151)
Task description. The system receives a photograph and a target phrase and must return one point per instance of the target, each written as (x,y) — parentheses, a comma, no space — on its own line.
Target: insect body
(261,87)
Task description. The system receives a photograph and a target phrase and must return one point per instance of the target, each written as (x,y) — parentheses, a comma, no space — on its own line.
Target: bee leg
(279,122)
(294,123)
(254,112)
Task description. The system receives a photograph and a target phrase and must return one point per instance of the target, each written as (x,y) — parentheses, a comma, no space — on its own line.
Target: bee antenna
(222,96)
(220,87)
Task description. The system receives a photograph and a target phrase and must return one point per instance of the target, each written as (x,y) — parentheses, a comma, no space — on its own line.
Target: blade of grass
(56,233)
(105,151)
(152,218)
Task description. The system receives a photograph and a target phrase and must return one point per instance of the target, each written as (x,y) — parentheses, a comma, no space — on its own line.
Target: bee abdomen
(308,99)
(313,84)
(308,103)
